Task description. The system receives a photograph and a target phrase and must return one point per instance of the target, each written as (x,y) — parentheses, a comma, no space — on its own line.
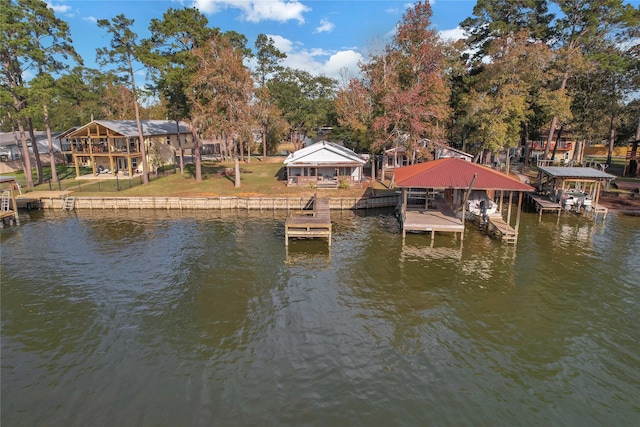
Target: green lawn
(257,179)
(66,175)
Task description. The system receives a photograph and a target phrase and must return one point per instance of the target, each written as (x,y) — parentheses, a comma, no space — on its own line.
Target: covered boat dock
(434,197)
(571,189)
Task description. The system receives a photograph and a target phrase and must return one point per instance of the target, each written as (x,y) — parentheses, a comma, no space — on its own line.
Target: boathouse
(108,146)
(324,165)
(434,194)
(570,188)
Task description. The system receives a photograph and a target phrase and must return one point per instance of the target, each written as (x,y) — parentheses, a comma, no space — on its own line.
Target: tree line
(525,66)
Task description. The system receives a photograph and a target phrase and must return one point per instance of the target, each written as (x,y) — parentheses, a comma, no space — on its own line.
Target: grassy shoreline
(257,179)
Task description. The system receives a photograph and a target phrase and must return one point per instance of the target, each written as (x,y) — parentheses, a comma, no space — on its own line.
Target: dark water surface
(169,319)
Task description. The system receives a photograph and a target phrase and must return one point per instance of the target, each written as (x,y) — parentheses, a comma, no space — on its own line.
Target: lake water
(163,318)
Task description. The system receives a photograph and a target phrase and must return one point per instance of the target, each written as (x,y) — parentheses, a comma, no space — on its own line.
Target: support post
(403,213)
(517,227)
(509,208)
(464,204)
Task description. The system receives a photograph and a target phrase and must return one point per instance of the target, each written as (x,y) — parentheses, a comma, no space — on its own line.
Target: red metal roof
(455,173)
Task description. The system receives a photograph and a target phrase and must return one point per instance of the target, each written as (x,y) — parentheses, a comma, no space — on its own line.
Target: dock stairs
(497,226)
(69,203)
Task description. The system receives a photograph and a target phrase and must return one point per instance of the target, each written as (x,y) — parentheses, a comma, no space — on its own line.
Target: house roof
(438,145)
(323,153)
(455,150)
(129,128)
(399,150)
(7,140)
(455,173)
(577,172)
(5,179)
(67,132)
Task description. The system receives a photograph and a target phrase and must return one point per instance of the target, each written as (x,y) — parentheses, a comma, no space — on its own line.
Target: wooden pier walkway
(497,226)
(309,223)
(543,204)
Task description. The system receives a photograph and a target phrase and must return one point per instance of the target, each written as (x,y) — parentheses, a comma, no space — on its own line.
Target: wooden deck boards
(543,204)
(443,219)
(432,220)
(310,224)
(7,214)
(499,227)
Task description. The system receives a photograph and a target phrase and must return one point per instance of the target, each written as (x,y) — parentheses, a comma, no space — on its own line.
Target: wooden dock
(431,220)
(7,214)
(309,223)
(8,204)
(543,204)
(497,226)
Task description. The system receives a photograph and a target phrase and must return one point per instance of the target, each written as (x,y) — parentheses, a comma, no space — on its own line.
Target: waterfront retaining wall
(200,203)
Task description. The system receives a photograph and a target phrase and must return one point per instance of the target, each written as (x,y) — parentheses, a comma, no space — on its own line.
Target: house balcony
(99,150)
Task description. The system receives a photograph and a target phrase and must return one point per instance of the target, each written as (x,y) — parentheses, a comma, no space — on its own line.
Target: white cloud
(90,19)
(452,35)
(206,6)
(59,8)
(316,51)
(406,6)
(257,10)
(325,26)
(317,60)
(282,44)
(348,59)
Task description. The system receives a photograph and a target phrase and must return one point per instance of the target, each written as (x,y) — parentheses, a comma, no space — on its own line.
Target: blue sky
(319,36)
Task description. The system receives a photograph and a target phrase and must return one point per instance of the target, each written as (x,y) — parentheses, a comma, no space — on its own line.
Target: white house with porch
(324,164)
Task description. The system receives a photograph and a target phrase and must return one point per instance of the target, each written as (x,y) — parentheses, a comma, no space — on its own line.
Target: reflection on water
(165,318)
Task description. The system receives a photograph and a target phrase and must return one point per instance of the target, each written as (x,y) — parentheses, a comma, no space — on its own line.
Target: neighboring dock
(543,204)
(8,204)
(9,214)
(309,223)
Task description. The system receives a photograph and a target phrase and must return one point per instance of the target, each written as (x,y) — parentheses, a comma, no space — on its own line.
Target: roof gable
(323,152)
(443,149)
(129,128)
(455,173)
